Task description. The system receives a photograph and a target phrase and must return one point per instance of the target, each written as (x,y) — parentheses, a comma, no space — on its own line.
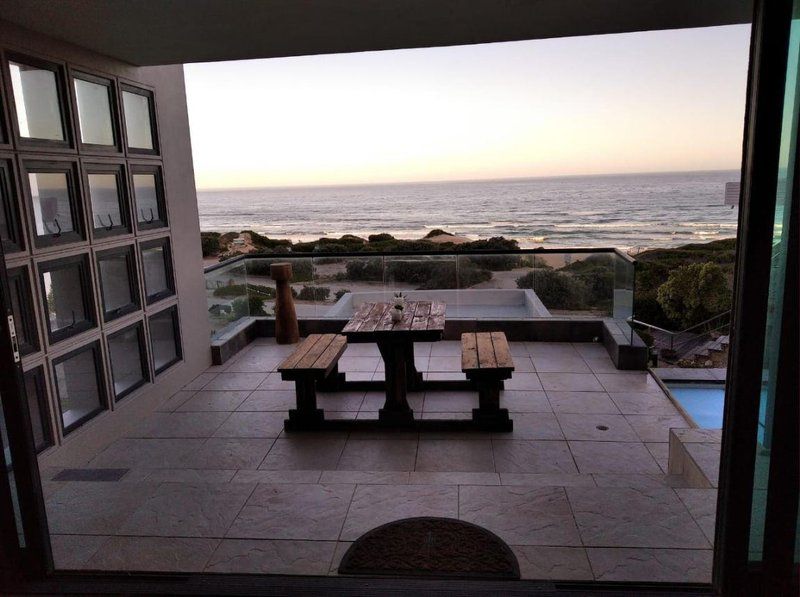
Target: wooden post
(286,329)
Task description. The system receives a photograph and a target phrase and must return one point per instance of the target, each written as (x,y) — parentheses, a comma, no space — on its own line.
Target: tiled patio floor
(579,489)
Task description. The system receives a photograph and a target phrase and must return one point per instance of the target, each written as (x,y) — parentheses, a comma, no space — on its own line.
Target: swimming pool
(703,401)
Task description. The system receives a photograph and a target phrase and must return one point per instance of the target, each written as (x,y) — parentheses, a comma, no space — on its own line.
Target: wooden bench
(486,360)
(313,364)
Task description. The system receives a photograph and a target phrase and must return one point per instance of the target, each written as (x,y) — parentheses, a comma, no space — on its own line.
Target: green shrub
(302,270)
(341,292)
(557,290)
(367,270)
(314,293)
(244,306)
(694,293)
(209,241)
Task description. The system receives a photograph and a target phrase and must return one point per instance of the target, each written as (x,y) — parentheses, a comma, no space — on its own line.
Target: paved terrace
(211,482)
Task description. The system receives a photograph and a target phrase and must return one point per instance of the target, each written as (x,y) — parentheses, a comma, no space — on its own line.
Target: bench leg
(306,415)
(333,382)
(489,415)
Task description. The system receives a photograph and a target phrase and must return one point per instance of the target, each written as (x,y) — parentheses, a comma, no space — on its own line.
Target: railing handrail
(445,253)
(677,333)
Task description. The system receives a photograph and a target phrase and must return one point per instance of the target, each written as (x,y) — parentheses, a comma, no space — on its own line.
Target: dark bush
(367,270)
(314,293)
(341,292)
(376,238)
(301,268)
(209,241)
(556,290)
(244,306)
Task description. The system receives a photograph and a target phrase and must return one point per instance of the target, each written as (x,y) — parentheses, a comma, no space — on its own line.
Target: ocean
(629,212)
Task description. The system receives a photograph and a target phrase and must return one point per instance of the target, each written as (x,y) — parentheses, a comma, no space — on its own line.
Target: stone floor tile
(525,401)
(304,453)
(444,363)
(378,455)
(365,477)
(363,350)
(548,349)
(184,475)
(348,363)
(629,381)
(552,563)
(601,365)
(613,457)
(652,565)
(154,554)
(560,364)
(523,364)
(252,424)
(547,479)
(457,455)
(72,552)
(528,456)
(643,403)
(655,428)
(338,554)
(660,452)
(702,505)
(592,427)
(228,453)
(266,556)
(518,349)
(269,400)
(209,400)
(374,505)
(180,425)
(279,511)
(591,350)
(262,476)
(374,401)
(199,382)
(273,381)
(188,510)
(450,478)
(89,508)
(640,481)
(146,453)
(452,402)
(598,403)
(339,401)
(532,426)
(570,382)
(523,381)
(175,401)
(236,381)
(520,515)
(255,362)
(634,517)
(447,348)
(442,376)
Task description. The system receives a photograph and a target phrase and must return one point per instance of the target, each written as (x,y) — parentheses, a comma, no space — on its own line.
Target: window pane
(65,301)
(34,388)
(94,113)
(146,193)
(104,193)
(126,360)
(21,307)
(162,339)
(36,99)
(155,271)
(137,120)
(78,392)
(52,210)
(115,280)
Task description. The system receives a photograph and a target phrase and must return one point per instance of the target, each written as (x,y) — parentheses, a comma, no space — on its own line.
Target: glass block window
(36,392)
(94,97)
(53,196)
(148,193)
(157,267)
(67,295)
(37,100)
(165,343)
(119,286)
(22,309)
(105,184)
(10,227)
(79,383)
(128,360)
(139,112)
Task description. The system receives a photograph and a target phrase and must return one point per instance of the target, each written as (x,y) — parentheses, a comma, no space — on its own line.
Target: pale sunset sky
(641,102)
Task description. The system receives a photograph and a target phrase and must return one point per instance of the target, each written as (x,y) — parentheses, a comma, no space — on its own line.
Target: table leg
(395,410)
(413,377)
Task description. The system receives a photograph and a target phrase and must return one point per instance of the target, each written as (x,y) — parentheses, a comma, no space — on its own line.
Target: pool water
(704,402)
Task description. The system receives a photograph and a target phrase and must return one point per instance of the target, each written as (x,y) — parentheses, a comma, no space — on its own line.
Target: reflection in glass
(65,301)
(105,196)
(126,360)
(146,193)
(137,120)
(115,281)
(36,100)
(78,390)
(94,112)
(52,210)
(155,271)
(163,343)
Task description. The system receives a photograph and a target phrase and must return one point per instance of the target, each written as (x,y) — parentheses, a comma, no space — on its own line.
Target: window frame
(5,110)
(151,102)
(118,169)
(140,336)
(133,282)
(44,408)
(102,394)
(70,168)
(161,198)
(113,100)
(63,96)
(11,209)
(19,281)
(169,273)
(176,332)
(85,280)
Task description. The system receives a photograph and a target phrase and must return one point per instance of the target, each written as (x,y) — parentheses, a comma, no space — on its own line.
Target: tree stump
(286,329)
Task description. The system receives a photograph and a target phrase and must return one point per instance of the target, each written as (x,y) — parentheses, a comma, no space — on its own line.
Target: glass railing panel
(227,296)
(423,277)
(574,284)
(497,287)
(344,283)
(623,288)
(261,287)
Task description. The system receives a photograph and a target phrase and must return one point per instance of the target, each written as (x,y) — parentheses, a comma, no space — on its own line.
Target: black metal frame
(81,262)
(9,203)
(151,102)
(36,376)
(102,398)
(163,220)
(176,332)
(123,198)
(139,328)
(164,244)
(19,284)
(110,84)
(128,253)
(70,169)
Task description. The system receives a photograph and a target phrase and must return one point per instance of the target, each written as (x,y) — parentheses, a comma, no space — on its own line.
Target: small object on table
(286,328)
(486,360)
(421,321)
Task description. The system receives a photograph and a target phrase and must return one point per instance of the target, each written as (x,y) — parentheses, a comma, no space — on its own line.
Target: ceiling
(148,32)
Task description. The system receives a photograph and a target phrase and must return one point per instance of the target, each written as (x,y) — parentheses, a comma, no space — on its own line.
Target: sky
(639,102)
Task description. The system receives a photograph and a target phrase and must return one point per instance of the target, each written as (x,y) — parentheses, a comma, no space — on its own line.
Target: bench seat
(486,360)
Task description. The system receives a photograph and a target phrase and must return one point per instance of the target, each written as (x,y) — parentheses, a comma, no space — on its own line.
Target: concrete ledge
(694,456)
(626,349)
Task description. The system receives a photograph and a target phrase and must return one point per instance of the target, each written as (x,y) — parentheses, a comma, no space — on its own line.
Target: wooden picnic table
(423,321)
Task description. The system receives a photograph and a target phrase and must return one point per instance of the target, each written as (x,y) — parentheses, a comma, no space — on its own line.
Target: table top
(423,319)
